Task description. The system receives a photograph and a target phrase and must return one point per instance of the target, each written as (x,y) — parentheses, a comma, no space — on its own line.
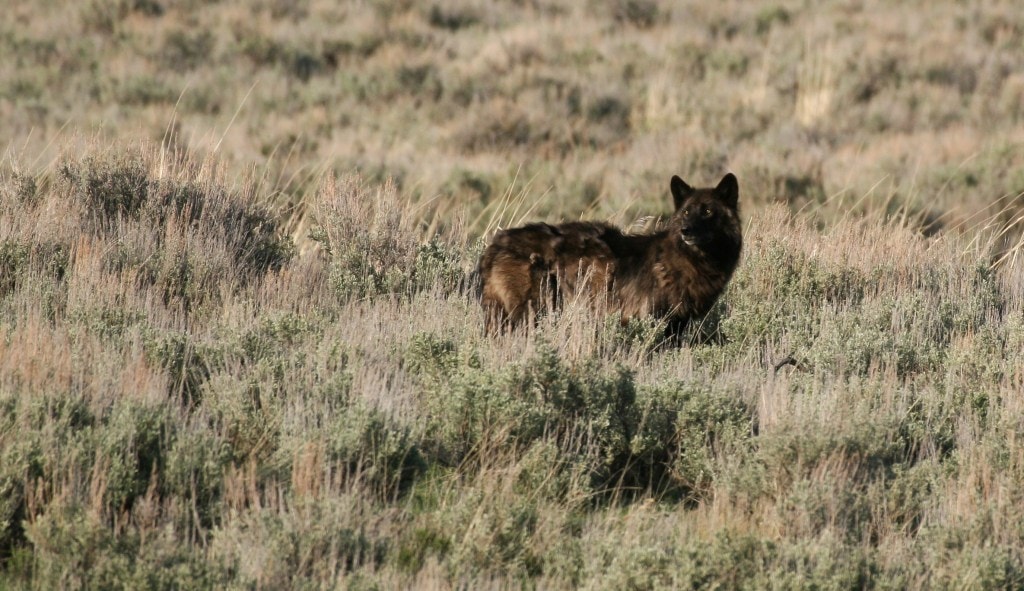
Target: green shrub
(855,320)
(250,232)
(374,450)
(72,549)
(188,363)
(26,190)
(145,90)
(769,17)
(296,60)
(131,445)
(303,544)
(193,478)
(662,439)
(639,13)
(688,427)
(108,189)
(416,545)
(13,261)
(275,336)
(185,50)
(372,250)
(20,463)
(120,187)
(452,16)
(438,265)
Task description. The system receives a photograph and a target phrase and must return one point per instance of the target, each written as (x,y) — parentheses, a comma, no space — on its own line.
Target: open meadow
(240,340)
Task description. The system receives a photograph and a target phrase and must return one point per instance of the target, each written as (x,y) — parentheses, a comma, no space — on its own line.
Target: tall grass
(240,345)
(593,104)
(189,400)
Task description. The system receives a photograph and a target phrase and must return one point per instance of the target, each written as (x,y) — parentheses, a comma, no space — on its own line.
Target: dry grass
(888,106)
(233,353)
(336,417)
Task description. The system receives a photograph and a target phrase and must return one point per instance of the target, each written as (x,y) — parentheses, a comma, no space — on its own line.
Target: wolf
(673,274)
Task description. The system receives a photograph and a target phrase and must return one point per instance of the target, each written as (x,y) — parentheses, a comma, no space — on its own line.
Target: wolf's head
(708,219)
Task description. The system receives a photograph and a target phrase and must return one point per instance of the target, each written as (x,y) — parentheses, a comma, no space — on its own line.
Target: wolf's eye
(706,212)
(686,212)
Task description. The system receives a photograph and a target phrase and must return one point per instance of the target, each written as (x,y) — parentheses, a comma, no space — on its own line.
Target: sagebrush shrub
(628,440)
(373,247)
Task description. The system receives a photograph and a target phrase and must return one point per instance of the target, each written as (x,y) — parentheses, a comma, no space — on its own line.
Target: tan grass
(169,415)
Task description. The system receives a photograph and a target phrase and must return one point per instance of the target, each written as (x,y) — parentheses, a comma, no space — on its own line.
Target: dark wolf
(674,274)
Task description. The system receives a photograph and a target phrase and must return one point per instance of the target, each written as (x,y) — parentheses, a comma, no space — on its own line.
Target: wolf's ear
(680,191)
(728,190)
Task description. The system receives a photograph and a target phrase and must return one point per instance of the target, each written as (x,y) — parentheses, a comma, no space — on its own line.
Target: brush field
(240,345)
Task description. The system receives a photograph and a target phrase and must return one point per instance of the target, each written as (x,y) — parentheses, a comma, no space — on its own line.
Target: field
(240,345)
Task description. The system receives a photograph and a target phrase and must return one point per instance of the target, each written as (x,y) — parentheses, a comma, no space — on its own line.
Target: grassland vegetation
(240,341)
(190,400)
(865,106)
